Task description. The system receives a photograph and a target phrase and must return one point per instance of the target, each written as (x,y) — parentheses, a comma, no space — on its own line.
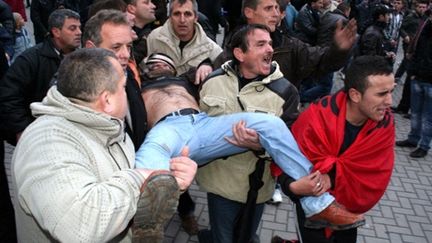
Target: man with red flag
(349,136)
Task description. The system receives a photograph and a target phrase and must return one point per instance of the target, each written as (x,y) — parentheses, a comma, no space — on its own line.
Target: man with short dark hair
(419,70)
(374,41)
(296,59)
(308,20)
(250,82)
(29,77)
(410,25)
(349,136)
(144,11)
(73,169)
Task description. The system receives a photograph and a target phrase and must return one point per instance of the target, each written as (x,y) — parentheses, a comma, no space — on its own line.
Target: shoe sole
(273,202)
(405,145)
(157,204)
(417,156)
(312,224)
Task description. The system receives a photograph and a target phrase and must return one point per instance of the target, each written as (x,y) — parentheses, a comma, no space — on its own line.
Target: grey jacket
(73,175)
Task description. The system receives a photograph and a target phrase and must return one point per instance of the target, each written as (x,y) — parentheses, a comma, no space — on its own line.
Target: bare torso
(161,101)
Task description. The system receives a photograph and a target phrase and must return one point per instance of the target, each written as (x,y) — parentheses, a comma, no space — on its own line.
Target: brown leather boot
(189,224)
(156,205)
(336,217)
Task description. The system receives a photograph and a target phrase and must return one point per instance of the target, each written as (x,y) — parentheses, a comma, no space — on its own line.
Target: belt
(181,112)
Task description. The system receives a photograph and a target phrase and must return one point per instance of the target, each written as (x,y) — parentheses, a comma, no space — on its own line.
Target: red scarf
(363,170)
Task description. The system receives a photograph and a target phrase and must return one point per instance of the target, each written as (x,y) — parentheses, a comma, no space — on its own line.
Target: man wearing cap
(159,64)
(184,40)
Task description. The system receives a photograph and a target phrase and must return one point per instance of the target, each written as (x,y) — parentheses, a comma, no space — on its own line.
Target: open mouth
(268,59)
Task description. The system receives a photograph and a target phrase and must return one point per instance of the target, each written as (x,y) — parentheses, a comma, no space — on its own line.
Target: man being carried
(177,122)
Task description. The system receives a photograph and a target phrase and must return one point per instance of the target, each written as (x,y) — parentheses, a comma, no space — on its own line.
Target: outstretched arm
(345,36)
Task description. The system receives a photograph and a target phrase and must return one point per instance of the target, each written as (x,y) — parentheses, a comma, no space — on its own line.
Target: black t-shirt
(351,133)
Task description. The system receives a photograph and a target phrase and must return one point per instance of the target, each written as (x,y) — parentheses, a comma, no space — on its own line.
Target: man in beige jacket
(73,168)
(184,40)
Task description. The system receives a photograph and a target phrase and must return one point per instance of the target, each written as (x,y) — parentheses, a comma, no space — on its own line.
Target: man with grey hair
(110,29)
(74,166)
(28,79)
(184,40)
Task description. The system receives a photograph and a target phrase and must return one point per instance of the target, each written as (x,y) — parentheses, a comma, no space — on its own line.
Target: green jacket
(228,177)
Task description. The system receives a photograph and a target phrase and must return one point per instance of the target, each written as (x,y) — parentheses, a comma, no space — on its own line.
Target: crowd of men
(117,109)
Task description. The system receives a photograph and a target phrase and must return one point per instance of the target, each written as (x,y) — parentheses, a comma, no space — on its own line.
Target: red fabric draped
(362,171)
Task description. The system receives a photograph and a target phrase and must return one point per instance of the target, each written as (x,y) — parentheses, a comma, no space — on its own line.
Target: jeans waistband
(181,112)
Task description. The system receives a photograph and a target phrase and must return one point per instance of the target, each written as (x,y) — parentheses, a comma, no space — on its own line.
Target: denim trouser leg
(205,137)
(421,114)
(278,141)
(321,88)
(222,214)
(164,141)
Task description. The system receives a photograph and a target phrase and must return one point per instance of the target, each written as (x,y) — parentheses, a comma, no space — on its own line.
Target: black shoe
(398,110)
(277,239)
(204,236)
(418,153)
(405,143)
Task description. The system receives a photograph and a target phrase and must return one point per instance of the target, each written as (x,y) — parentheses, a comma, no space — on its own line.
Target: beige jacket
(73,177)
(219,95)
(200,48)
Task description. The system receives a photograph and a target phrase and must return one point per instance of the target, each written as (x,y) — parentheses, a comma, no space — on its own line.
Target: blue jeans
(421,114)
(314,89)
(205,137)
(222,215)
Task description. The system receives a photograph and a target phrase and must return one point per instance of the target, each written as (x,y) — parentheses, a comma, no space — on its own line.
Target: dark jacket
(326,29)
(140,44)
(136,125)
(298,60)
(410,24)
(7,29)
(307,23)
(40,10)
(374,41)
(421,63)
(26,81)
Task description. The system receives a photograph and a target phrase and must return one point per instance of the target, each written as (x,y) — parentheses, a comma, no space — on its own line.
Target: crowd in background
(312,41)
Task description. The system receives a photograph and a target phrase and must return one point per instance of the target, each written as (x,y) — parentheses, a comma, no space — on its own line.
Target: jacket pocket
(214,105)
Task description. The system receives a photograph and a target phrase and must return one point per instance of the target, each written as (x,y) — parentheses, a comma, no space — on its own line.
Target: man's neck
(140,23)
(354,115)
(60,47)
(188,37)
